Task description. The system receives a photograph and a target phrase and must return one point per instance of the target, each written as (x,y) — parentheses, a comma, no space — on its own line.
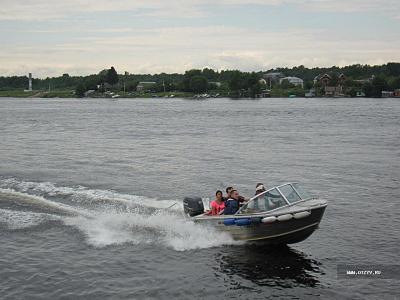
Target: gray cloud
(175,49)
(81,48)
(50,9)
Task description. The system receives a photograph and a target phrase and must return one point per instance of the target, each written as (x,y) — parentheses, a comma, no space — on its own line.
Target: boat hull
(275,233)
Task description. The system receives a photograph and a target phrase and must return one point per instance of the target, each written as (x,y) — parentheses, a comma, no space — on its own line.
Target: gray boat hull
(276,233)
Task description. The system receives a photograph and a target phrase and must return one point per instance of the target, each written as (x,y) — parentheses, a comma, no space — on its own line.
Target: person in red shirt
(218,205)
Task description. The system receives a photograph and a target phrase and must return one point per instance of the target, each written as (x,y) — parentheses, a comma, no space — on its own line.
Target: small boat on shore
(281,215)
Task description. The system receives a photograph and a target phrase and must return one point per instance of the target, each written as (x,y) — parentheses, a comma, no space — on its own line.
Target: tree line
(369,79)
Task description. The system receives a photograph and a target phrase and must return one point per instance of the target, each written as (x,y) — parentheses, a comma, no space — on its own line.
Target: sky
(80,37)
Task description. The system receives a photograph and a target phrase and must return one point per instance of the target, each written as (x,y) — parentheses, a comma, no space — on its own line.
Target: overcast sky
(51,37)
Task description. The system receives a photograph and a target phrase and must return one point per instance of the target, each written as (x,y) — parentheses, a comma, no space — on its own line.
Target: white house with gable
(293,80)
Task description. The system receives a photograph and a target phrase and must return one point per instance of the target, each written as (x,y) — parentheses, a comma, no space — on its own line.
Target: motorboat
(285,214)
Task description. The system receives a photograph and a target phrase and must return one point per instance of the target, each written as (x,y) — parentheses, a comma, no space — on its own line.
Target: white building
(144,86)
(216,83)
(273,76)
(262,81)
(293,80)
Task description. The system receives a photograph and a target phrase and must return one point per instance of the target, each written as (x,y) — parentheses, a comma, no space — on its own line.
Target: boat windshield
(289,193)
(302,193)
(266,201)
(274,198)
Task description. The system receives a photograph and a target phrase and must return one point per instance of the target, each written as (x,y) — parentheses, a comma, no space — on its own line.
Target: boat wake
(21,219)
(104,217)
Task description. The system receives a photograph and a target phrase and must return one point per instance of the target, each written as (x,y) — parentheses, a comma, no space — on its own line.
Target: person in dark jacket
(232,204)
(228,190)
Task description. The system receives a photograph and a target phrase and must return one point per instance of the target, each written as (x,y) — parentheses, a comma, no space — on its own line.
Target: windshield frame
(283,196)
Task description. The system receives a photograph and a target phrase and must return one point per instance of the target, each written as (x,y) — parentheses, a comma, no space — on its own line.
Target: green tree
(112,76)
(80,90)
(393,69)
(308,84)
(334,79)
(91,82)
(352,92)
(368,89)
(395,83)
(285,84)
(210,74)
(130,86)
(253,85)
(236,81)
(252,80)
(187,77)
(378,85)
(198,84)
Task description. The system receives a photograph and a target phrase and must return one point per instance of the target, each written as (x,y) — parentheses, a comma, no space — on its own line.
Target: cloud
(176,49)
(70,39)
(28,10)
(52,10)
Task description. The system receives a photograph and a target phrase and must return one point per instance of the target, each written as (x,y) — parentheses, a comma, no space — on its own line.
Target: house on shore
(391,94)
(145,86)
(293,80)
(333,91)
(387,94)
(324,79)
(330,88)
(273,77)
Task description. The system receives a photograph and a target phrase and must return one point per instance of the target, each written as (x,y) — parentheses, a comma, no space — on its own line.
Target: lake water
(84,187)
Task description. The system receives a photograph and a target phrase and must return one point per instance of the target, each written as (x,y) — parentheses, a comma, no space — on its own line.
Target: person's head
(260,188)
(218,194)
(229,191)
(235,194)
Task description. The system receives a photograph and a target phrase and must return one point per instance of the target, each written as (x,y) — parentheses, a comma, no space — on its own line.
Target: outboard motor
(193,206)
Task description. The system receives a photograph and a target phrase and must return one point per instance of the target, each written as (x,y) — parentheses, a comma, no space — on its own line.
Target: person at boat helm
(217,206)
(260,188)
(232,204)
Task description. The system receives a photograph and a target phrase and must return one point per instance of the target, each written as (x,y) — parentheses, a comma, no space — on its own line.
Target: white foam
(21,219)
(81,194)
(161,228)
(105,224)
(39,201)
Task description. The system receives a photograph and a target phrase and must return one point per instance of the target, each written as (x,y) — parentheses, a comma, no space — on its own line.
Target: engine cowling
(193,206)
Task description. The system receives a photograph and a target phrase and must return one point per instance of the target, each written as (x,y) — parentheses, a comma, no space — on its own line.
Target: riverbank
(136,95)
(71,94)
(38,94)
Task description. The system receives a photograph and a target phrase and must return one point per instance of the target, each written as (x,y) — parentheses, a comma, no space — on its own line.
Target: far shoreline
(70,94)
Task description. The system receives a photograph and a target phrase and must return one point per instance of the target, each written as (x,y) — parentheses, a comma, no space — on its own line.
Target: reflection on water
(270,266)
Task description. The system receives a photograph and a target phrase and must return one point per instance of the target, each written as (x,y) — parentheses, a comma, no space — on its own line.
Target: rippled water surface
(87,193)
